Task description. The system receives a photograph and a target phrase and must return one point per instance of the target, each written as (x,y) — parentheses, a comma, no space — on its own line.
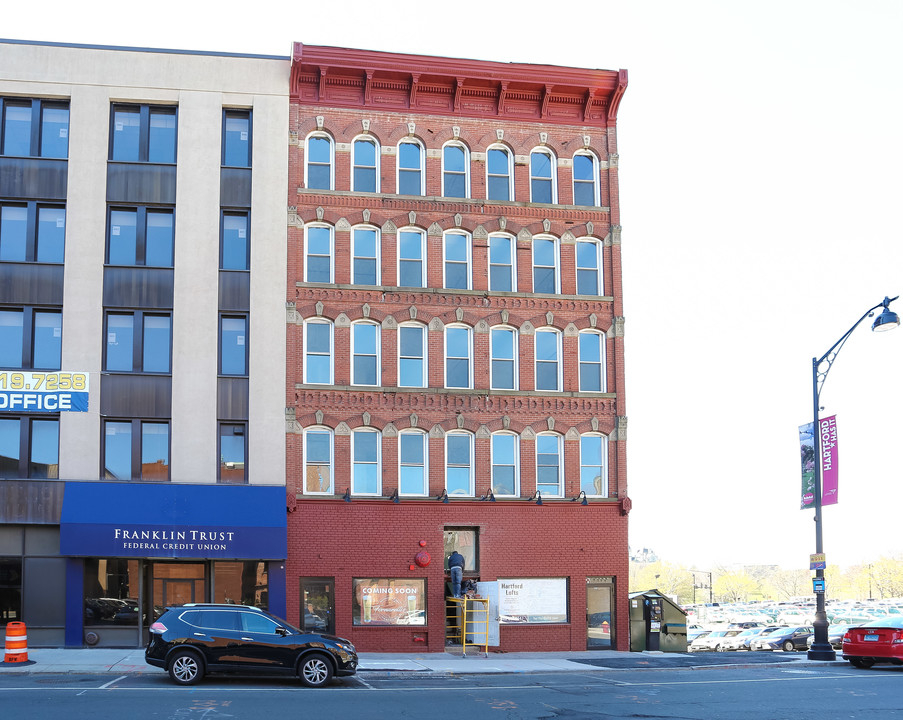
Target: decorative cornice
(344,77)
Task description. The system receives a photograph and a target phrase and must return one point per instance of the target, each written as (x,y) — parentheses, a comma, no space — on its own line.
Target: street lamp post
(821,649)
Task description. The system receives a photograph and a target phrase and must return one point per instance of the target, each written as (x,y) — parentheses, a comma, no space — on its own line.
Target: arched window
(503,355)
(586,174)
(589,267)
(365,345)
(411,258)
(459,463)
(594,465)
(318,352)
(458,357)
(319,157)
(456,264)
(499,173)
(410,167)
(592,361)
(545,265)
(548,360)
(365,165)
(366,454)
(318,254)
(318,461)
(455,170)
(542,176)
(505,464)
(413,463)
(412,355)
(365,248)
(502,265)
(549,465)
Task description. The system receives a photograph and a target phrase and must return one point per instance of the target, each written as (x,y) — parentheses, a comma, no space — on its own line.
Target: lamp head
(888,319)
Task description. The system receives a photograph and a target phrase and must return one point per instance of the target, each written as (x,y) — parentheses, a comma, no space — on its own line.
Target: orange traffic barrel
(16,643)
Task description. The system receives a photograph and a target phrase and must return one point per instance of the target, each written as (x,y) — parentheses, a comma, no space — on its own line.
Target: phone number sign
(43,391)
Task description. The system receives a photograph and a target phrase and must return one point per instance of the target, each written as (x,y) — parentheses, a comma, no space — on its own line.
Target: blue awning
(171,520)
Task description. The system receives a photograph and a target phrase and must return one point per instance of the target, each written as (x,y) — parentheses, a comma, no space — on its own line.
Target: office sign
(36,392)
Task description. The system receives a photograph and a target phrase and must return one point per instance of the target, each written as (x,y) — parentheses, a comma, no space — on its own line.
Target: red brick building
(455,349)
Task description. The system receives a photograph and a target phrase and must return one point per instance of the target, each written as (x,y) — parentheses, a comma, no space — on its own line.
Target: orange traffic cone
(16,643)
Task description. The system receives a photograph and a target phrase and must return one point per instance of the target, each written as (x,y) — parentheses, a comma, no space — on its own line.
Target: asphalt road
(740,693)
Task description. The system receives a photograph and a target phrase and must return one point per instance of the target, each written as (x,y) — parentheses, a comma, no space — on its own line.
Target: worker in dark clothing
(456,568)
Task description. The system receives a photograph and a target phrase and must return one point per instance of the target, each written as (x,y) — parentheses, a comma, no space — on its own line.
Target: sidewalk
(131,661)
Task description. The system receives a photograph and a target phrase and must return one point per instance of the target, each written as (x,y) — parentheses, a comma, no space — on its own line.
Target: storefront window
(241,583)
(389,601)
(533,600)
(111,592)
(10,590)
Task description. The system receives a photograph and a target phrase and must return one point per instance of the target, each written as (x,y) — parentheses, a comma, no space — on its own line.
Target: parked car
(745,638)
(696,631)
(786,639)
(712,641)
(188,641)
(836,632)
(878,641)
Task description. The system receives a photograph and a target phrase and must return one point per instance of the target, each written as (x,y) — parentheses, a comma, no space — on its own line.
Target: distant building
(455,349)
(142,336)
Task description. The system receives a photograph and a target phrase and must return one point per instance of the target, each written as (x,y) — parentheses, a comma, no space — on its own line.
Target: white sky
(760,159)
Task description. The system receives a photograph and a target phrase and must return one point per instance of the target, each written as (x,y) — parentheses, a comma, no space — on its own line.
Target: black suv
(191,640)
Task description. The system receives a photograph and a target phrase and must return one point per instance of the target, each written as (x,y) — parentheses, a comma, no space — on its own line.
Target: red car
(878,641)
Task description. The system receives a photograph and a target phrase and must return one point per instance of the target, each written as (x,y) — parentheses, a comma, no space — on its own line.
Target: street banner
(827,428)
(807,459)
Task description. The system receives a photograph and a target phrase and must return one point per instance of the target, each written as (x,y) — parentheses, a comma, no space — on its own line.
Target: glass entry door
(599,627)
(175,583)
(318,605)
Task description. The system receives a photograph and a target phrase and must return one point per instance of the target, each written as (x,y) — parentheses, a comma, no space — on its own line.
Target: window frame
(560,472)
(371,140)
(36,128)
(556,272)
(597,271)
(222,425)
(513,360)
(469,358)
(558,359)
(466,173)
(376,354)
(234,212)
(141,232)
(139,340)
(136,448)
(552,179)
(307,161)
(594,182)
(376,258)
(31,237)
(512,265)
(470,467)
(25,446)
(237,113)
(424,356)
(421,171)
(307,353)
(145,111)
(28,338)
(376,462)
(424,466)
(509,175)
(423,250)
(467,263)
(600,363)
(305,464)
(244,341)
(516,463)
(603,467)
(307,254)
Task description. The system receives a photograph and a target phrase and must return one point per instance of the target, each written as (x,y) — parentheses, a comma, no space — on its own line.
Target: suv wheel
(185,668)
(315,670)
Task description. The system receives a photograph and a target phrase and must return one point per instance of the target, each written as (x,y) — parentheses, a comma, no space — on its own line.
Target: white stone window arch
(411,243)
(499,173)
(455,170)
(413,463)
(365,255)
(548,370)
(505,462)
(591,353)
(458,356)
(365,154)
(411,167)
(586,178)
(550,464)
(365,353)
(412,354)
(588,265)
(366,462)
(319,161)
(318,352)
(318,466)
(503,355)
(543,176)
(594,464)
(319,253)
(459,463)
(456,260)
(502,262)
(546,263)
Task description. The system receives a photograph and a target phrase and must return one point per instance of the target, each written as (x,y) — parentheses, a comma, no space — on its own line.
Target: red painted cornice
(344,77)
